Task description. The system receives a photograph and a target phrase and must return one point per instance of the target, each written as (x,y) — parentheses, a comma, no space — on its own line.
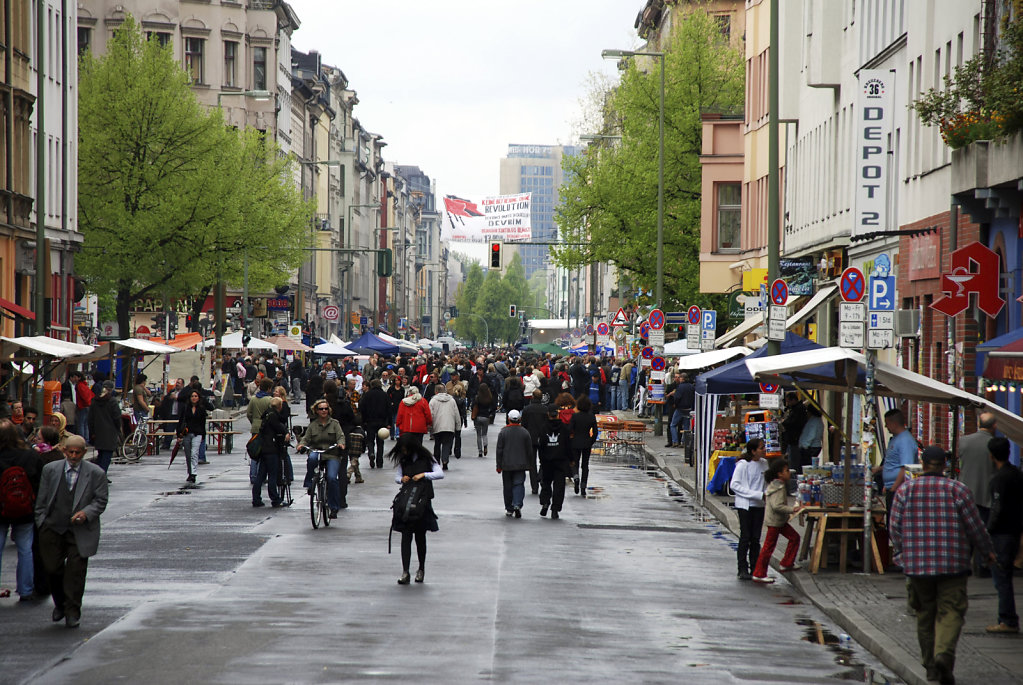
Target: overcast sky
(450,83)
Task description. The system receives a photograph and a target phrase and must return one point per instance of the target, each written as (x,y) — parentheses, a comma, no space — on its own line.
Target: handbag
(254,447)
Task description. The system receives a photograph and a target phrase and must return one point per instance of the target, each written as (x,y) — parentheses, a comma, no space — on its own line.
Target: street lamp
(621,54)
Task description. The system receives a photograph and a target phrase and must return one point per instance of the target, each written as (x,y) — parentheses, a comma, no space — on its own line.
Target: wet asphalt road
(632,585)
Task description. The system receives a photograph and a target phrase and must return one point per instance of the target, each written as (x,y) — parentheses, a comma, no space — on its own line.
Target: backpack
(412,501)
(615,375)
(17,500)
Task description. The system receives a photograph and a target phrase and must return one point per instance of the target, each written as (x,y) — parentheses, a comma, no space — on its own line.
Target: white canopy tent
(889,380)
(233,341)
(706,359)
(678,348)
(403,345)
(333,349)
(37,345)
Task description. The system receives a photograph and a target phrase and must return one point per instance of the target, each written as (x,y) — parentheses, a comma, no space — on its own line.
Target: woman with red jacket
(414,415)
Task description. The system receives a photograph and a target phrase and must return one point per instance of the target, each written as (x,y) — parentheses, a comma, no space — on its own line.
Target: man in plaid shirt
(934,521)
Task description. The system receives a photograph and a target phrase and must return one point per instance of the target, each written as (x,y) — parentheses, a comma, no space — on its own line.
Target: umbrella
(174,451)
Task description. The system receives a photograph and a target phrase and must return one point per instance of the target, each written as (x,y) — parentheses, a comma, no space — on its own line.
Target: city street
(632,585)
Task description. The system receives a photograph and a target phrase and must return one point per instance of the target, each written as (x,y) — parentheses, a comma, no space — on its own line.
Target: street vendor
(902,452)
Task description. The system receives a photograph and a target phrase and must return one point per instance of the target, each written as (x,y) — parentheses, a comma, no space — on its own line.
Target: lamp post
(348,280)
(299,304)
(620,54)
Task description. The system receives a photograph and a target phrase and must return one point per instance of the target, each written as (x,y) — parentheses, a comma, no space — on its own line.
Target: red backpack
(16,496)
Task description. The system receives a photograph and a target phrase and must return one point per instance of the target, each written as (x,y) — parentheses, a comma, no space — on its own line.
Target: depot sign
(874,114)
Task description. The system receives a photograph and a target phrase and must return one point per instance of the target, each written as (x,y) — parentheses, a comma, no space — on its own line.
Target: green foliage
(487,298)
(168,195)
(981,101)
(610,196)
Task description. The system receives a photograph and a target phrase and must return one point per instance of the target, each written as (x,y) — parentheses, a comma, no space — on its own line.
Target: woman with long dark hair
(395,394)
(748,485)
(192,427)
(583,429)
(482,408)
(414,462)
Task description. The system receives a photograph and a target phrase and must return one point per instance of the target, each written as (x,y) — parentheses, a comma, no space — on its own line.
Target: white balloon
(383,433)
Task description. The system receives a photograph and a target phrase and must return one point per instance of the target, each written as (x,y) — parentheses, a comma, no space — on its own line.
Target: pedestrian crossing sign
(620,319)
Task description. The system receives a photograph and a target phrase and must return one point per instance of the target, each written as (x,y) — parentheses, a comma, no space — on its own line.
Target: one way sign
(882,293)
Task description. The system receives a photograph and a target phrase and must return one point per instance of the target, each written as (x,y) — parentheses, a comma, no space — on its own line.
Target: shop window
(729,221)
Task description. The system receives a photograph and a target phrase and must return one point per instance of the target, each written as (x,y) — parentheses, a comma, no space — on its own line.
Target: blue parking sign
(709,320)
(882,293)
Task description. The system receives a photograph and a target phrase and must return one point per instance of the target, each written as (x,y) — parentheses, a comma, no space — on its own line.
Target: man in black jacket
(1005,524)
(514,454)
(375,408)
(534,420)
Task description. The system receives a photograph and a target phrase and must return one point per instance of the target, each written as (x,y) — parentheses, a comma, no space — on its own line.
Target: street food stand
(842,370)
(37,357)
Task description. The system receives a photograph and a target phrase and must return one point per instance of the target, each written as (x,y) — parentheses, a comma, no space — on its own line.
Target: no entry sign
(853,285)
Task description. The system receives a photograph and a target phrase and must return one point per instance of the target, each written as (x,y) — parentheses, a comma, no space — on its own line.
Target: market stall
(36,357)
(370,343)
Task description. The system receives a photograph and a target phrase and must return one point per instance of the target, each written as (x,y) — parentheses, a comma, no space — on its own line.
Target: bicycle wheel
(324,510)
(314,504)
(134,446)
(284,489)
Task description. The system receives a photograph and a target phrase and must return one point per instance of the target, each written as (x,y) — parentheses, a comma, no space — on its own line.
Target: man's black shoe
(72,621)
(745,575)
(944,664)
(256,505)
(555,515)
(543,510)
(58,614)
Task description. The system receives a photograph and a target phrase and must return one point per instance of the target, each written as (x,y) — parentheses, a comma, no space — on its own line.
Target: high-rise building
(536,169)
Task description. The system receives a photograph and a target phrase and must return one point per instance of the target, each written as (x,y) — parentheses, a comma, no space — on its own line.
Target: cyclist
(323,432)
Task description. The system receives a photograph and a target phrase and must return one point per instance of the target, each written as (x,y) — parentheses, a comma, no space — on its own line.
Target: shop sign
(925,256)
(799,274)
(975,269)
(736,311)
(875,112)
(753,279)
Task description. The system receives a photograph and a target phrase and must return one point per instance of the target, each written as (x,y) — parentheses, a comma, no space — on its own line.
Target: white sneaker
(765,580)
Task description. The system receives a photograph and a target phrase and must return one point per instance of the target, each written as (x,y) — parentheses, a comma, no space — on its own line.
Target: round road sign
(656,319)
(657,364)
(768,388)
(331,312)
(644,330)
(779,292)
(648,353)
(693,315)
(589,329)
(852,285)
(603,329)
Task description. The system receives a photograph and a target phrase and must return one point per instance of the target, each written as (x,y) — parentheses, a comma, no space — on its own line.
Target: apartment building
(39,170)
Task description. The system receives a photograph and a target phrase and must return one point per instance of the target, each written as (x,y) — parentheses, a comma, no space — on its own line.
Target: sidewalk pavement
(872,609)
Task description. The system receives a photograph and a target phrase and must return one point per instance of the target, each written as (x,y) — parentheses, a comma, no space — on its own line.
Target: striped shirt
(933,523)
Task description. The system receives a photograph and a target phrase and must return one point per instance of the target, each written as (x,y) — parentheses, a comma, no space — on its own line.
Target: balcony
(987,178)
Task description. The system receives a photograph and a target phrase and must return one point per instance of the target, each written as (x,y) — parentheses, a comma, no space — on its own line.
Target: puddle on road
(845,656)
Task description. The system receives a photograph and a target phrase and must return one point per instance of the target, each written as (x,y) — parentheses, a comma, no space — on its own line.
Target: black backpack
(410,504)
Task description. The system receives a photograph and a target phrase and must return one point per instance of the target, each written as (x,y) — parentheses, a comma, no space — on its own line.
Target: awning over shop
(1004,358)
(704,360)
(803,368)
(17,309)
(819,299)
(131,346)
(41,345)
(739,332)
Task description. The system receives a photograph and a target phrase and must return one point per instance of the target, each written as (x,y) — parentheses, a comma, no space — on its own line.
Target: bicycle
(134,446)
(319,512)
(283,483)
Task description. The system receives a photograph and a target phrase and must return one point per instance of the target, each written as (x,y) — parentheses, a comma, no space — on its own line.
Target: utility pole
(773,200)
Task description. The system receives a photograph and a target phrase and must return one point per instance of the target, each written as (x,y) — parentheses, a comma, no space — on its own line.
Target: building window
(161,37)
(230,63)
(724,22)
(84,40)
(259,69)
(729,200)
(194,59)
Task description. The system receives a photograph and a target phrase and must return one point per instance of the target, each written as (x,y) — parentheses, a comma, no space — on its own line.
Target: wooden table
(825,521)
(221,431)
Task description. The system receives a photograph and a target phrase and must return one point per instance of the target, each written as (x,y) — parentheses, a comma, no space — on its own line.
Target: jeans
(940,605)
(444,440)
(770,541)
(481,423)
(82,423)
(191,445)
(751,521)
(1006,547)
(266,470)
(623,395)
(103,459)
(582,460)
(680,418)
(337,490)
(22,534)
(514,489)
(612,397)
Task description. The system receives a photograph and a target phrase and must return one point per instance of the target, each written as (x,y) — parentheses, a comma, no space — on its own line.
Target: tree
(609,199)
(466,325)
(169,197)
(492,304)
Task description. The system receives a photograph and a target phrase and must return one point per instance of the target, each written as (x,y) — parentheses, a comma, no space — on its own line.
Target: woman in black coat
(414,462)
(513,398)
(395,394)
(583,430)
(105,425)
(273,435)
(192,427)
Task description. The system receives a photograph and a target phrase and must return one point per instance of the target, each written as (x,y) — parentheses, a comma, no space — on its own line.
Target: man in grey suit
(72,495)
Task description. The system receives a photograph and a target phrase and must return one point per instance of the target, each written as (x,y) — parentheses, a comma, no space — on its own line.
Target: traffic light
(454,312)
(159,321)
(385,263)
(496,260)
(512,310)
(172,322)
